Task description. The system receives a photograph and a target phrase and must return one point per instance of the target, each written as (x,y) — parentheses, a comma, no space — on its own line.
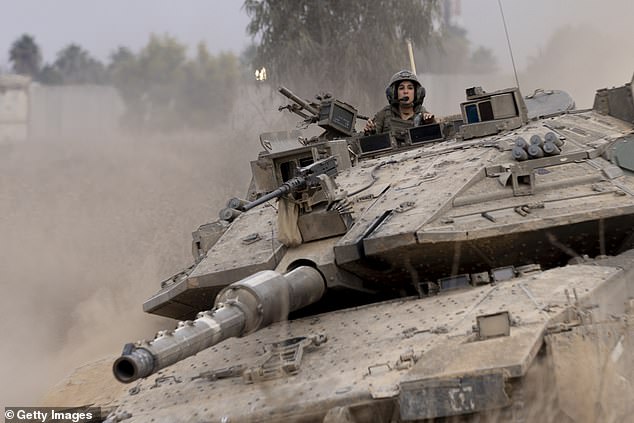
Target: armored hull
(417,358)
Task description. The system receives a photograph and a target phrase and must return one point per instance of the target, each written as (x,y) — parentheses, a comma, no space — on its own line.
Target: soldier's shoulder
(386,111)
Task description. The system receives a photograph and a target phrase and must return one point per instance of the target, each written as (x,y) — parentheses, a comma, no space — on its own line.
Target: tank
(478,268)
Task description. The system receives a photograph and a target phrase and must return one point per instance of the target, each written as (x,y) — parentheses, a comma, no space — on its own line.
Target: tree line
(352,48)
(162,88)
(347,48)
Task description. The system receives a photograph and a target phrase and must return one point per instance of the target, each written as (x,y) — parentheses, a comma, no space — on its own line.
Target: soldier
(405,96)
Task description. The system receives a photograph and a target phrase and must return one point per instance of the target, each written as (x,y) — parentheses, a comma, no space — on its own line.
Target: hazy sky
(100,26)
(532,22)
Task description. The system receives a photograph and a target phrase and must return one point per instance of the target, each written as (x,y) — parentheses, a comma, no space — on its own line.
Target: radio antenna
(508,41)
(410,50)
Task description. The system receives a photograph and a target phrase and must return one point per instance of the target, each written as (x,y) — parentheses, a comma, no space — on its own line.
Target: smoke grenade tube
(241,308)
(551,149)
(519,154)
(535,151)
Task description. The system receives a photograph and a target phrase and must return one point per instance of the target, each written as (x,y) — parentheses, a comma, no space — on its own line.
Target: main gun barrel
(241,308)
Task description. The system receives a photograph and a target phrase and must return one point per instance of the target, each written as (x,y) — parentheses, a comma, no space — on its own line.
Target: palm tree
(26,56)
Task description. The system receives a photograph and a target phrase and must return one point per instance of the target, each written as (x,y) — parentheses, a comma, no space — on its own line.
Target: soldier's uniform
(389,119)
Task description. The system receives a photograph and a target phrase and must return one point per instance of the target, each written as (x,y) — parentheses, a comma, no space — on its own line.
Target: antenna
(508,40)
(411,55)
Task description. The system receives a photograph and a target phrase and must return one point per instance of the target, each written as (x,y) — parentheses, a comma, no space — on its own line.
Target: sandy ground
(89,227)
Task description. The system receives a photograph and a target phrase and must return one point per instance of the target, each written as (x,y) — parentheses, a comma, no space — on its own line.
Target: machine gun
(308,180)
(336,117)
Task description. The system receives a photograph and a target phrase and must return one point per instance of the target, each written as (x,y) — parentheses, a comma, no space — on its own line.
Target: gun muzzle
(241,308)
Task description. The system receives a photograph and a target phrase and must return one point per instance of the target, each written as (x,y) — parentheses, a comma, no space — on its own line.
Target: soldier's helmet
(397,78)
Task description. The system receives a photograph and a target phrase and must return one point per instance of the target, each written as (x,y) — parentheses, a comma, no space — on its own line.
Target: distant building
(29,110)
(14,107)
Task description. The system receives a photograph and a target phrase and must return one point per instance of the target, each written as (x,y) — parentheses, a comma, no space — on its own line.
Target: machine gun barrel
(291,96)
(241,308)
(288,186)
(327,166)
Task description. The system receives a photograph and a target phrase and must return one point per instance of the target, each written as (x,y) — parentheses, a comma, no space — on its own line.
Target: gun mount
(336,117)
(310,179)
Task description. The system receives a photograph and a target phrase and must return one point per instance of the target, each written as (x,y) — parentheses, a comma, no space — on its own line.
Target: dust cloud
(574,45)
(90,226)
(580,60)
(580,56)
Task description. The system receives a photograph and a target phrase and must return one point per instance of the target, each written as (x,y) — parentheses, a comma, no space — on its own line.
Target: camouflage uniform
(384,118)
